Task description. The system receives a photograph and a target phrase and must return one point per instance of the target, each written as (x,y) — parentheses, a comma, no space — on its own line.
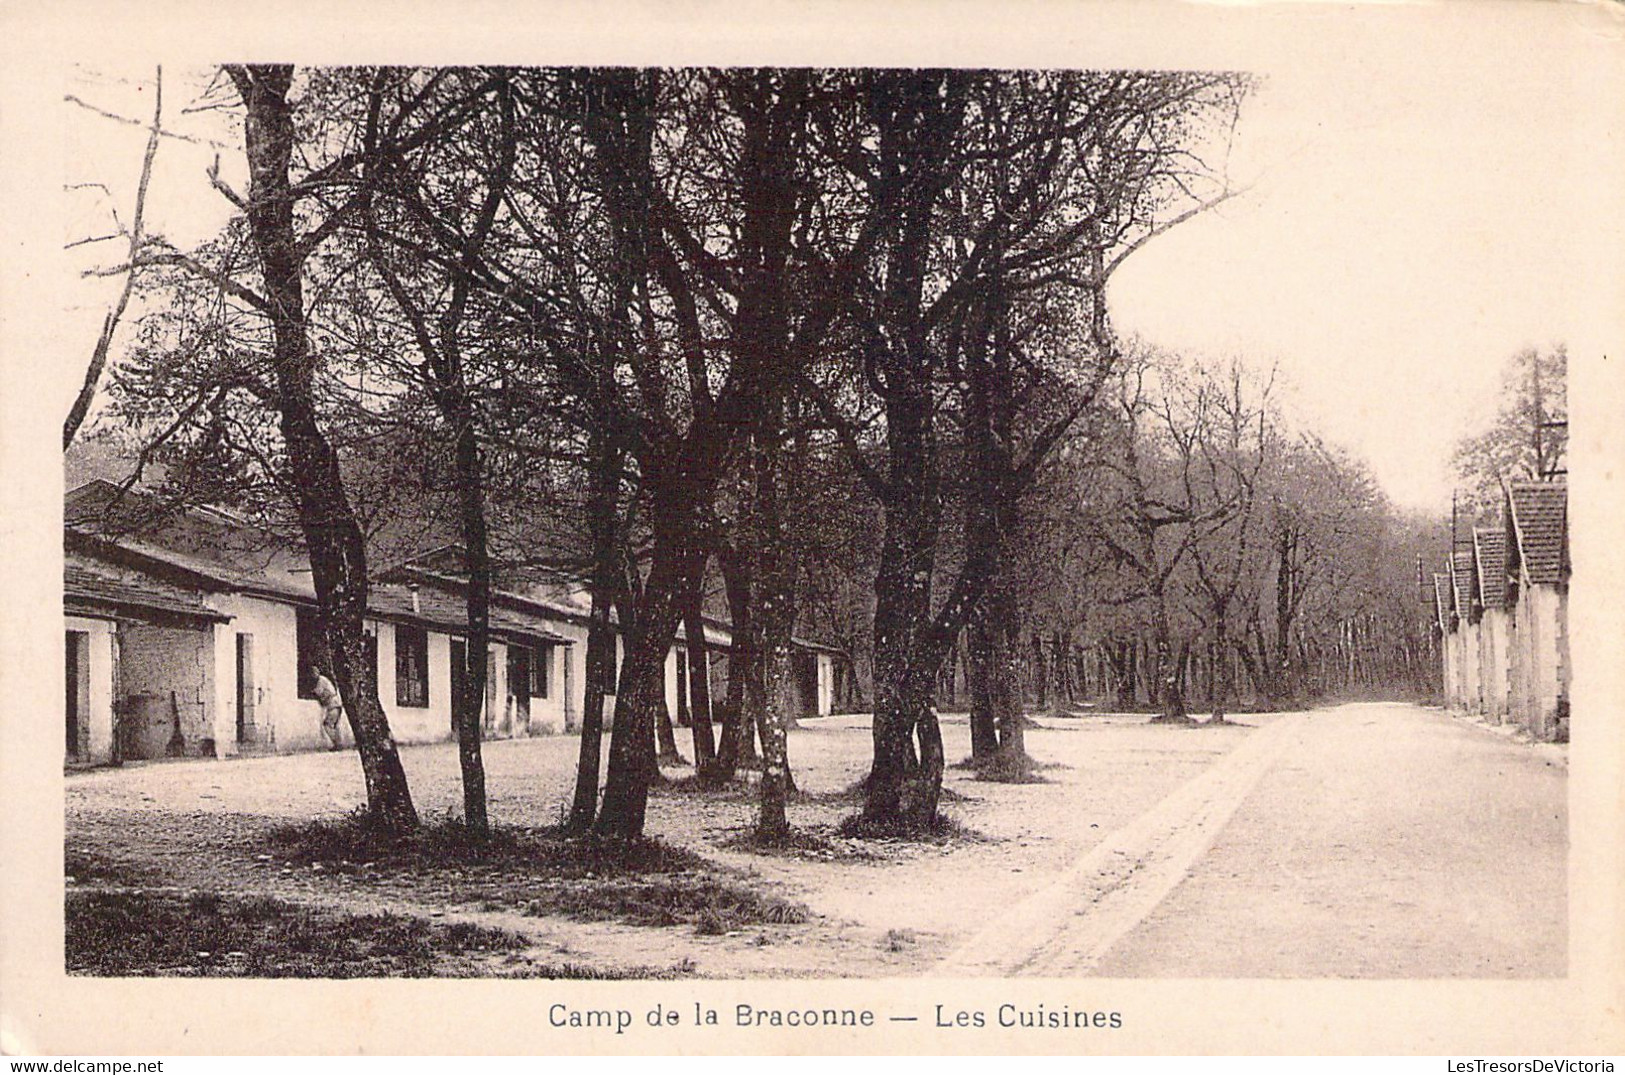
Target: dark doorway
(77,643)
(245,688)
(459,675)
(519,684)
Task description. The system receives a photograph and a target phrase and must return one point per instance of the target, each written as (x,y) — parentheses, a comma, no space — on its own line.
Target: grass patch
(710,905)
(683,969)
(1224,722)
(1175,720)
(1000,771)
(940,829)
(739,789)
(898,940)
(540,872)
(1003,769)
(797,843)
(144,934)
(353,841)
(858,791)
(85,868)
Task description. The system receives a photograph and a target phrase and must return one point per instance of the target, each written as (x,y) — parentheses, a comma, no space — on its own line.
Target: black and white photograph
(937,534)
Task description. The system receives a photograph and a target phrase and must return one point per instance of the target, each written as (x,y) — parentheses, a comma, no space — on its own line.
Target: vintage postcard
(838,528)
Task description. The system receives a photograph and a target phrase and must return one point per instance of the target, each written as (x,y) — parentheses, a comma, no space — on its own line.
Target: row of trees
(823,337)
(1192,546)
(1208,539)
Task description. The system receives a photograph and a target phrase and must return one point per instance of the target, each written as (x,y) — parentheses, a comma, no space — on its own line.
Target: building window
(308,643)
(411,666)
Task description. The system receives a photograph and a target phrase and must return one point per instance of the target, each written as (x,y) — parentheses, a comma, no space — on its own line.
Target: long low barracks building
(195,638)
(1501,610)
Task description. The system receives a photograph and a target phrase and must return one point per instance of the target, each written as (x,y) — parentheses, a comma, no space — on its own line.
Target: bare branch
(98,355)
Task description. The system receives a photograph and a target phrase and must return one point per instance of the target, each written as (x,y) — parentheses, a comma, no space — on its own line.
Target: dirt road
(879,909)
(1365,841)
(1361,841)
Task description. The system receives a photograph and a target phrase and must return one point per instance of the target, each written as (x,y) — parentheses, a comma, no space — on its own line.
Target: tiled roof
(235,554)
(443,567)
(1490,550)
(1463,581)
(1540,520)
(95,583)
(1442,600)
(217,550)
(443,609)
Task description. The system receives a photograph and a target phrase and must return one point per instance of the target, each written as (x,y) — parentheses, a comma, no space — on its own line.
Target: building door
(245,688)
(519,659)
(459,675)
(77,645)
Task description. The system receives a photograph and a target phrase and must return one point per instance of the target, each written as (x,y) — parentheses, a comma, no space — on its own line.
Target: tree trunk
(738,745)
(1223,668)
(1040,674)
(332,534)
(607,585)
(641,696)
(773,621)
(1060,649)
(648,631)
(667,738)
(466,708)
(1168,672)
(699,681)
(985,654)
(1012,761)
(902,790)
(600,654)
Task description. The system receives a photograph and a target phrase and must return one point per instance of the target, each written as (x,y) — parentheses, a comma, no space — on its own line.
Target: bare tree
(135,233)
(332,536)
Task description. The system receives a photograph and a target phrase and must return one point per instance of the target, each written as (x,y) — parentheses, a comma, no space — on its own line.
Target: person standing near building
(332,707)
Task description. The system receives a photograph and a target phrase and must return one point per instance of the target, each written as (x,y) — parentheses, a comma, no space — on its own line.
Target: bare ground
(1390,841)
(876,908)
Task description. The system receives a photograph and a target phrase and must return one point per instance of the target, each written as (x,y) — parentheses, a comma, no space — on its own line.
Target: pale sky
(1418,209)
(1413,219)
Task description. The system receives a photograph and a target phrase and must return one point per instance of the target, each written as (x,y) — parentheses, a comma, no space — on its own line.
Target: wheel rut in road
(1063,930)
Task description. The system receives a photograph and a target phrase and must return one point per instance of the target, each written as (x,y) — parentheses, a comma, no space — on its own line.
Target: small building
(567,607)
(194,634)
(1465,607)
(112,607)
(1450,641)
(1537,571)
(198,638)
(1494,623)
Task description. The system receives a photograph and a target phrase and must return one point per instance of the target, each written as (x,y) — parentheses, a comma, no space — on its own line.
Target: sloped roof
(90,583)
(1539,513)
(436,607)
(445,567)
(206,542)
(216,550)
(1463,581)
(550,605)
(1442,600)
(1490,552)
